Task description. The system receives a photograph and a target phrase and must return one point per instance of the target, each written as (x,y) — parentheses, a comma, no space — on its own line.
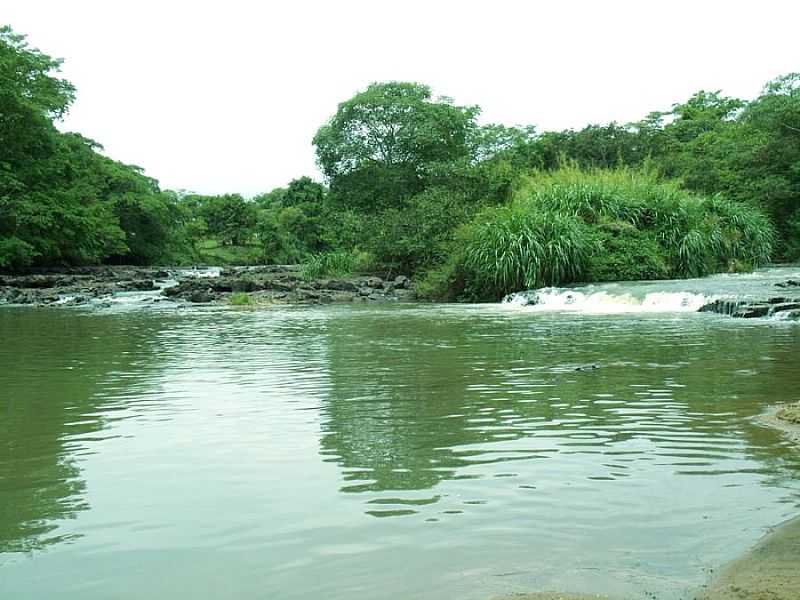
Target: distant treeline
(414,185)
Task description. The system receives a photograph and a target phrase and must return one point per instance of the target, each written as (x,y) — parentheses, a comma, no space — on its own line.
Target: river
(604,443)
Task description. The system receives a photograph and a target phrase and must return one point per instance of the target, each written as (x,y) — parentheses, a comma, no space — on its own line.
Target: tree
(61,200)
(377,148)
(290,226)
(229,218)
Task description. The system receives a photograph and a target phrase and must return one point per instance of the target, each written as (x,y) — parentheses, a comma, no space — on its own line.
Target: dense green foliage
(416,185)
(61,201)
(573,225)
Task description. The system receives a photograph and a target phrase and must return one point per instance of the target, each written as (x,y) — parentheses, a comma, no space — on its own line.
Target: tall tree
(377,148)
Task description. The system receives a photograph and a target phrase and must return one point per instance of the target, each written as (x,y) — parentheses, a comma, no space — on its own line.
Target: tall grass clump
(511,248)
(696,235)
(335,264)
(240,299)
(571,225)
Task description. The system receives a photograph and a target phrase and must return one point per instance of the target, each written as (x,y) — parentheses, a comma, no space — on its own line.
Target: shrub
(512,248)
(623,253)
(421,233)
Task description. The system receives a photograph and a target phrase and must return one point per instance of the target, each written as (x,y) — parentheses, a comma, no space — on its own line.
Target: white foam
(602,302)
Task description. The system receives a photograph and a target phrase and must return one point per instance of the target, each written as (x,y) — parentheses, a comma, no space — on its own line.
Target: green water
(394,452)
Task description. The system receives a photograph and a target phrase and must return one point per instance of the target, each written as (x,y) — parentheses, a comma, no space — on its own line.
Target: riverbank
(261,285)
(768,572)
(786,418)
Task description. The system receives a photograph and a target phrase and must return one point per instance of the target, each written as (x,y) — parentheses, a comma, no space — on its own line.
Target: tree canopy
(407,175)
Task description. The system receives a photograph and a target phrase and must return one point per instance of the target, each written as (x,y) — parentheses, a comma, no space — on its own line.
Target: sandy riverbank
(770,571)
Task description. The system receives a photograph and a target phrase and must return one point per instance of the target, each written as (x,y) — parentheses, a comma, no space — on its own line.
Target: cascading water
(557,299)
(728,294)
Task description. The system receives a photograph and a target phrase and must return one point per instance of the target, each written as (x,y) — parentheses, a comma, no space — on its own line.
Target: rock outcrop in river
(285,285)
(268,284)
(785,306)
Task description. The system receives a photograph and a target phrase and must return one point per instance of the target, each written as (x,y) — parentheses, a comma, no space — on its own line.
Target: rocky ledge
(784,306)
(263,285)
(285,285)
(80,285)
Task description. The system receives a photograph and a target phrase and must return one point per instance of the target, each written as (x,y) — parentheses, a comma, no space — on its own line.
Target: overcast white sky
(225,96)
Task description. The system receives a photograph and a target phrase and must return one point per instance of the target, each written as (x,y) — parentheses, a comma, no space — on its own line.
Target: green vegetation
(241,299)
(336,264)
(572,225)
(209,251)
(61,201)
(416,186)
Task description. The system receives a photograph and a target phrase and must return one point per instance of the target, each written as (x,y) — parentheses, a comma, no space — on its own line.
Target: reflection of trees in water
(414,399)
(58,371)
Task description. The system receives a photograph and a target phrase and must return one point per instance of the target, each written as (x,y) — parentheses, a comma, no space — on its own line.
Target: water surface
(385,452)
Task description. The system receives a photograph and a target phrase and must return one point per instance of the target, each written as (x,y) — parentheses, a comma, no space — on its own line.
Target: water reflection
(254,449)
(61,377)
(417,400)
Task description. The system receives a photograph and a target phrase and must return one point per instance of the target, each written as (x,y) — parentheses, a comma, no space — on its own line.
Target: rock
(201,296)
(401,281)
(722,307)
(306,295)
(752,311)
(790,414)
(364,292)
(342,285)
(788,283)
(373,282)
(285,285)
(785,306)
(243,285)
(143,285)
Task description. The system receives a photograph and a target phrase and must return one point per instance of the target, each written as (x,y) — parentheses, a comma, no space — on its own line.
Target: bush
(571,225)
(445,282)
(791,246)
(623,253)
(421,233)
(512,248)
(16,253)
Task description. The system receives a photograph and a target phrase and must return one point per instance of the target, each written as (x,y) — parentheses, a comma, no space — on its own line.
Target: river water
(387,452)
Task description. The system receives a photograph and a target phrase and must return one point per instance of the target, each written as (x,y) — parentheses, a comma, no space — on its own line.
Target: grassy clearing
(213,253)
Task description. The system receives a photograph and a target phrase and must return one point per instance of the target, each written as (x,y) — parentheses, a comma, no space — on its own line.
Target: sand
(770,571)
